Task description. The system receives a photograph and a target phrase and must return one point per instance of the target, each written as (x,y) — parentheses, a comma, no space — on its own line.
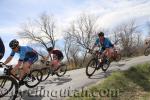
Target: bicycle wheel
(106,65)
(91,67)
(62,70)
(46,73)
(118,57)
(147,51)
(35,77)
(6,85)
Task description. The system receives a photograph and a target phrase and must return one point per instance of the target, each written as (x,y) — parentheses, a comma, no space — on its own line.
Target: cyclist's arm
(8,59)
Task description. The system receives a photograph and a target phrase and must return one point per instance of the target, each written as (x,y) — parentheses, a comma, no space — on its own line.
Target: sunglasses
(14,48)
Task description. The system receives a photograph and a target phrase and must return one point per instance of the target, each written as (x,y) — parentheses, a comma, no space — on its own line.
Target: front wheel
(147,51)
(6,85)
(35,77)
(46,72)
(91,67)
(62,70)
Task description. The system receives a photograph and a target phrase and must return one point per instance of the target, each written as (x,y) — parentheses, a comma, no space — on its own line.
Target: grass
(133,84)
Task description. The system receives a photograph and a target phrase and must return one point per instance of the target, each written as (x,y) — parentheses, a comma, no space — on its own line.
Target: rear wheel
(35,78)
(62,70)
(106,65)
(6,85)
(118,57)
(46,73)
(91,67)
(147,51)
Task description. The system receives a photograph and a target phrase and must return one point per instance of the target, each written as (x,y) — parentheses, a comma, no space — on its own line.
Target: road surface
(55,88)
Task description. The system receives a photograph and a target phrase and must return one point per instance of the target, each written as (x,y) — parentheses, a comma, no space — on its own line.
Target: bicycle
(116,53)
(95,64)
(47,71)
(8,77)
(147,50)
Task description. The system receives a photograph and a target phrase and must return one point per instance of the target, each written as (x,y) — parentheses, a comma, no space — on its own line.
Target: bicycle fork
(3,83)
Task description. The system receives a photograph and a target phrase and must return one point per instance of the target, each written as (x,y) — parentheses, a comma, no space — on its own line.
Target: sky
(111,12)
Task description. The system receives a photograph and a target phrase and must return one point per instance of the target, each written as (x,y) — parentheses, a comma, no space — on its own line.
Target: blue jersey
(106,43)
(23,50)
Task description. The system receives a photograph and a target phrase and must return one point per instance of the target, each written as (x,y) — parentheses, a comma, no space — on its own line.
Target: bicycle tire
(13,83)
(38,77)
(46,73)
(118,57)
(105,63)
(92,61)
(64,66)
(147,51)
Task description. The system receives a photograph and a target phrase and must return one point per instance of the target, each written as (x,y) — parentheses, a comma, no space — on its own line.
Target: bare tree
(68,44)
(81,32)
(129,36)
(71,50)
(148,25)
(40,31)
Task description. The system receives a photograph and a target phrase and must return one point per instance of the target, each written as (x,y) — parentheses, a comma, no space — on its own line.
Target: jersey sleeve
(12,53)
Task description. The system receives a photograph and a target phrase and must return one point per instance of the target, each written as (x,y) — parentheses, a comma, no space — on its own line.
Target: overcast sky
(111,12)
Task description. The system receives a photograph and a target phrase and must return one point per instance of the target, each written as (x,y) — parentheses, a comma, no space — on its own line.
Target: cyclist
(56,58)
(105,44)
(2,49)
(27,57)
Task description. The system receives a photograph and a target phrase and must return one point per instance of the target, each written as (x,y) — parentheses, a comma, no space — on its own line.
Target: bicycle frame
(47,63)
(8,72)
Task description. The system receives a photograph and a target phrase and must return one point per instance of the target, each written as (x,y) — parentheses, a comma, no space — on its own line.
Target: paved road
(56,88)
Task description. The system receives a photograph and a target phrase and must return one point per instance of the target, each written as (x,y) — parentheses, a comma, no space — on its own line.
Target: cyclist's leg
(101,53)
(14,70)
(110,52)
(55,64)
(25,69)
(105,55)
(26,65)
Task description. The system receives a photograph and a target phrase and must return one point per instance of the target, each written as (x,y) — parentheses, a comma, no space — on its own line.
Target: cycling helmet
(50,49)
(101,34)
(13,44)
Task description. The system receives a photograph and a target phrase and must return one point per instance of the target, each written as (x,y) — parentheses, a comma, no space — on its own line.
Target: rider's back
(106,44)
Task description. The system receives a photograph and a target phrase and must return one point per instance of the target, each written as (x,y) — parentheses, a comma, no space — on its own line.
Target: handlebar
(2,63)
(8,66)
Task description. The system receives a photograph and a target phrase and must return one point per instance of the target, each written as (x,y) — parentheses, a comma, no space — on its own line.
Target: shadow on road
(120,65)
(103,74)
(58,80)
